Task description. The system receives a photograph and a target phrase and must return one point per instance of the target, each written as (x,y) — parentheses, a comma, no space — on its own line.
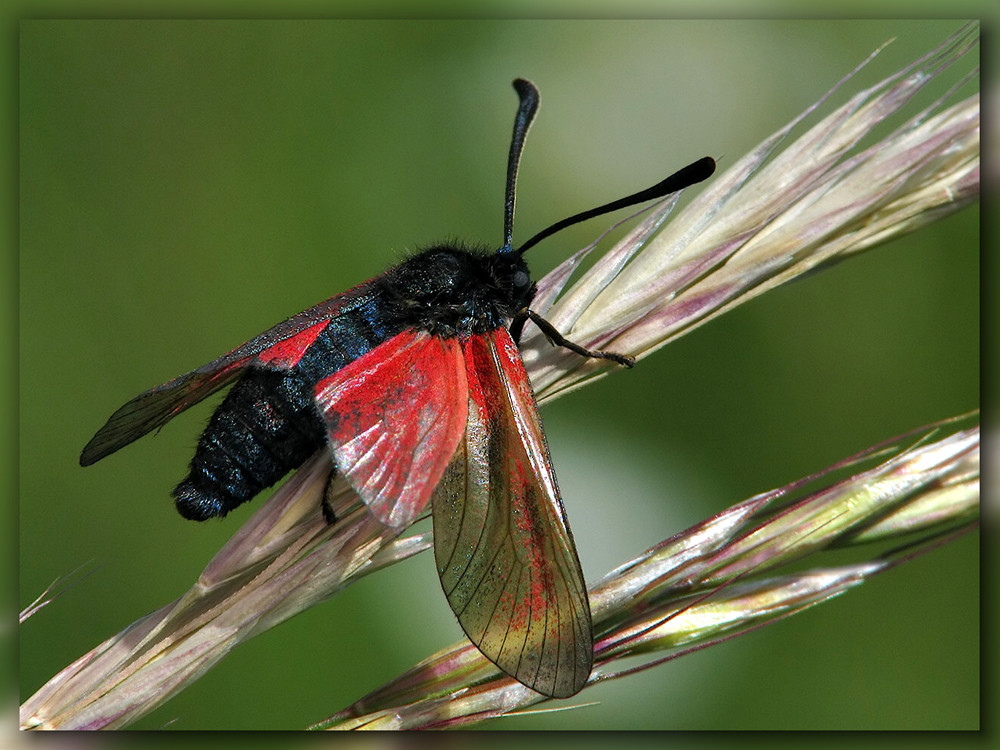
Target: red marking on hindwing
(288,352)
(477,356)
(395,417)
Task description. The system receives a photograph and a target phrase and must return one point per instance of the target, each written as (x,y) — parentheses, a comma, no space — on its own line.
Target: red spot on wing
(288,352)
(395,416)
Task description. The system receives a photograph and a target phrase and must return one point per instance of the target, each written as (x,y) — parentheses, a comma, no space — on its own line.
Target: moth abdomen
(266,426)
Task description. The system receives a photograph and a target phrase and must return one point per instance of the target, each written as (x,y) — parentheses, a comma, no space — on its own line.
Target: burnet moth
(414,381)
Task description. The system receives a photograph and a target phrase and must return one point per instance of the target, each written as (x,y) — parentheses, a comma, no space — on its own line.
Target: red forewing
(395,416)
(279,347)
(504,551)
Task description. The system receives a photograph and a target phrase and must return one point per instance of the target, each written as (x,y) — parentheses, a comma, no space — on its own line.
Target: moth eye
(521,279)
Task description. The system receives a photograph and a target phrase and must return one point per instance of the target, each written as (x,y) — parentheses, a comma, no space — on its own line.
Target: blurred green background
(186,184)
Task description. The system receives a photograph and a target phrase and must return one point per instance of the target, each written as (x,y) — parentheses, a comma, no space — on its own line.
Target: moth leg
(557,339)
(326,505)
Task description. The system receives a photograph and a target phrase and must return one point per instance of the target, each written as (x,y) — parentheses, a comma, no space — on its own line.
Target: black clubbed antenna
(682,178)
(525,114)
